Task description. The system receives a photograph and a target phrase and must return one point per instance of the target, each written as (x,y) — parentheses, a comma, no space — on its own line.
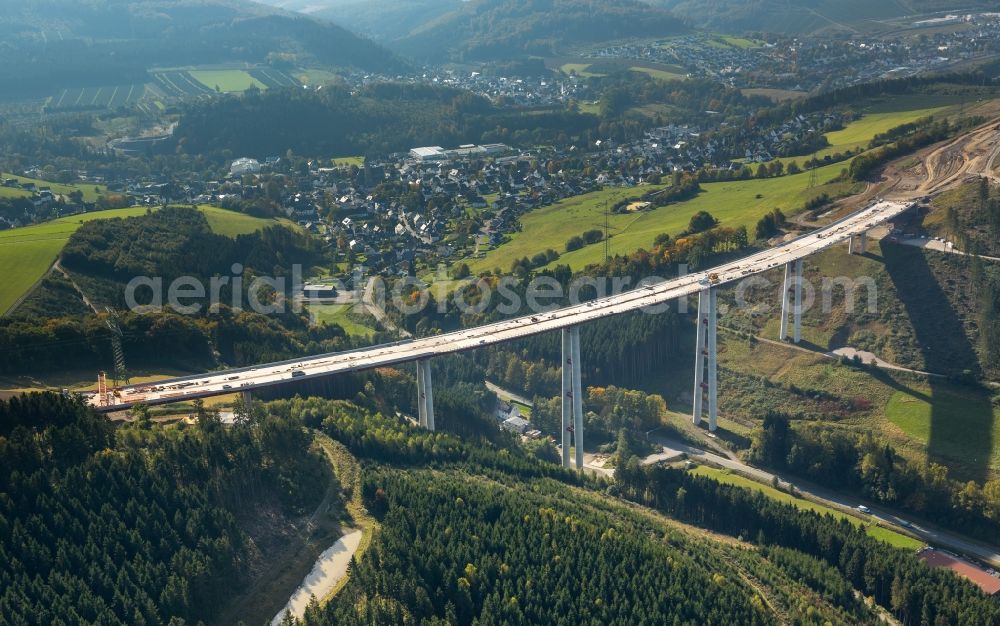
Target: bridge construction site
(853,228)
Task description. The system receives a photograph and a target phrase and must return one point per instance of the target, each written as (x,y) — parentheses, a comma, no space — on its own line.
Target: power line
(607,234)
(121,374)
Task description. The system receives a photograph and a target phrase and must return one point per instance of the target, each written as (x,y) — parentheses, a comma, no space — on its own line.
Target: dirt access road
(933,169)
(946,165)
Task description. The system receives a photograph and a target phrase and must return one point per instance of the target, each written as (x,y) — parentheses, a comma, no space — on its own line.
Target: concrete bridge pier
(567,394)
(791,301)
(706,353)
(577,397)
(797,309)
(786,294)
(425,394)
(858,244)
(247,398)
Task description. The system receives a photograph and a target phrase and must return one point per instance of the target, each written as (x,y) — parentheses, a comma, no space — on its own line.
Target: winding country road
(922,530)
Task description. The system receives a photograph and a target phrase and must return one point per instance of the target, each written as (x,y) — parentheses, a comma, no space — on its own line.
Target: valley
(500,312)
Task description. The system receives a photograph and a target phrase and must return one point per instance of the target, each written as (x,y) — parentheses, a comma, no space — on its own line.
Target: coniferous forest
(134,526)
(144,524)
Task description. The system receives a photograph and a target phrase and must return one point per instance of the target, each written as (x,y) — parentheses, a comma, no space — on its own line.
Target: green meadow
(733,203)
(90,192)
(887,535)
(338,314)
(27,253)
(226,81)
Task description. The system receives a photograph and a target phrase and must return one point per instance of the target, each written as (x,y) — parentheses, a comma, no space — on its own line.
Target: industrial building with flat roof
(437,153)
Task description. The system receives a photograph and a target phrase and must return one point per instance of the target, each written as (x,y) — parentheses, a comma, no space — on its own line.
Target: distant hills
(805,16)
(456,30)
(47,43)
(382,20)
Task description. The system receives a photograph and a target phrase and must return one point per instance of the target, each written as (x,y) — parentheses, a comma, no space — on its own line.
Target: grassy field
(926,420)
(90,192)
(733,203)
(315,76)
(14,192)
(947,418)
(658,74)
(740,42)
(729,41)
(27,253)
(349,160)
(338,314)
(884,534)
(580,69)
(226,81)
(881,116)
(231,223)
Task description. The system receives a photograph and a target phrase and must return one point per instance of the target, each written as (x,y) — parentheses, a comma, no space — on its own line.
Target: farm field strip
(196,86)
(273,77)
(104,96)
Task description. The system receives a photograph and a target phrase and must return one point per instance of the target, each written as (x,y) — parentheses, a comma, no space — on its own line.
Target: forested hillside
(382,20)
(499,29)
(69,43)
(104,255)
(147,525)
(380,119)
(475,533)
(138,526)
(862,464)
(779,16)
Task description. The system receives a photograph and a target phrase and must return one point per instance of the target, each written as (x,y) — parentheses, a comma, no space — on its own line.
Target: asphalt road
(933,536)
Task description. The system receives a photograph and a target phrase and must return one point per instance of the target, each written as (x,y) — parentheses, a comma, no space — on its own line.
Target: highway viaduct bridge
(853,228)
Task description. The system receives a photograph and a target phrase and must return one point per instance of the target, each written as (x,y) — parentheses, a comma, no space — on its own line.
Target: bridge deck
(650,295)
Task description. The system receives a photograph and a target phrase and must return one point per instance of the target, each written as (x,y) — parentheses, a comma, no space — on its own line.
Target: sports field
(27,253)
(226,81)
(347,161)
(580,69)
